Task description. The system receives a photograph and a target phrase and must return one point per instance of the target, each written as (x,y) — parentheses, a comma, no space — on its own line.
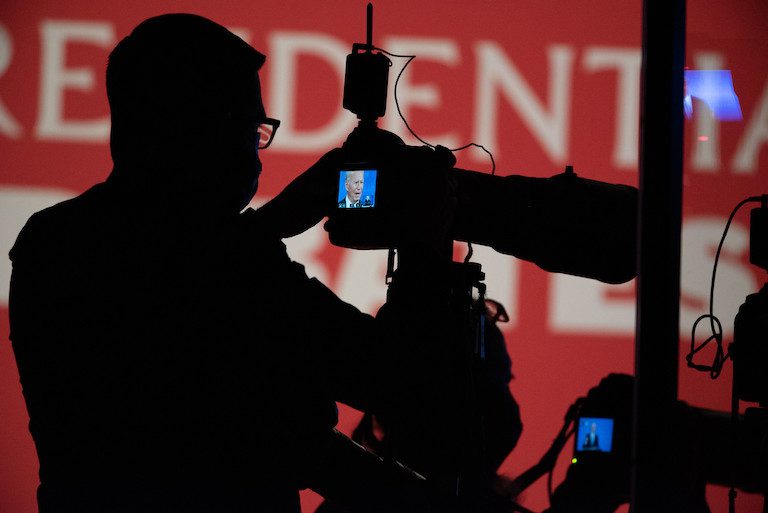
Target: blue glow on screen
(601,428)
(715,89)
(368,196)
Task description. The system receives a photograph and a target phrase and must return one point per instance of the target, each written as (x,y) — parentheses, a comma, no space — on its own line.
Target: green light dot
(574,460)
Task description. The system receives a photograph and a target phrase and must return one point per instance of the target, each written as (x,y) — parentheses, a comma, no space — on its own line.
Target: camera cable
(410,58)
(408,126)
(715,326)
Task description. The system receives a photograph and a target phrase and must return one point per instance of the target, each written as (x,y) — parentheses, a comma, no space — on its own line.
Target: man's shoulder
(57,222)
(73,208)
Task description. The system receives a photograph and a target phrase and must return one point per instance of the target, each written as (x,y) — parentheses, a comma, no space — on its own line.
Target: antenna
(369,26)
(366,77)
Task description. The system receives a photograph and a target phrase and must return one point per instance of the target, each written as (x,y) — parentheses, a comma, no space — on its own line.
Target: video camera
(563,223)
(750,351)
(711,447)
(598,480)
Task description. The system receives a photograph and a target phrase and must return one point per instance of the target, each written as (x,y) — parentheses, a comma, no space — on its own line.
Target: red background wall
(541,83)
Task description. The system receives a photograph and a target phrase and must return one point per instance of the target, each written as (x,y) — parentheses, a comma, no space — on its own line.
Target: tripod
(441,432)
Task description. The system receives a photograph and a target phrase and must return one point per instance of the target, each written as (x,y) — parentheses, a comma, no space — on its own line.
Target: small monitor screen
(595,434)
(713,88)
(357,188)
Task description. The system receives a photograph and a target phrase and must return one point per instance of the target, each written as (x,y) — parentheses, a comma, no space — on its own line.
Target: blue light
(715,89)
(594,434)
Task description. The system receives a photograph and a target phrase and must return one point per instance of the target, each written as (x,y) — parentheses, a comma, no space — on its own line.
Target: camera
(750,350)
(598,479)
(564,223)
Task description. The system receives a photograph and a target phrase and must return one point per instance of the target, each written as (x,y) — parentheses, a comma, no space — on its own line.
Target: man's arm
(365,362)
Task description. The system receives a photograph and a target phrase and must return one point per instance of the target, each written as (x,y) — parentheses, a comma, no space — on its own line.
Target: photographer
(172,357)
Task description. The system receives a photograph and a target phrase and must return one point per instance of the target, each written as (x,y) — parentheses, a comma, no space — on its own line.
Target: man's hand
(305,201)
(424,198)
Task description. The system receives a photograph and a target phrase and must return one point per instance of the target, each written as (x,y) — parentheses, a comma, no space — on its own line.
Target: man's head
(185,100)
(354,185)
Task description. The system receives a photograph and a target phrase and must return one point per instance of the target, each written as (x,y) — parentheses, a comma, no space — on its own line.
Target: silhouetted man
(172,357)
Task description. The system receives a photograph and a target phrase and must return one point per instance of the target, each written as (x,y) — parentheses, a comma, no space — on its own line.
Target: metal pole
(655,478)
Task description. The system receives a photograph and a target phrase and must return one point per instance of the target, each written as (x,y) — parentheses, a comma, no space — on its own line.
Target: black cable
(552,469)
(734,427)
(548,461)
(714,323)
(400,112)
(470,252)
(550,476)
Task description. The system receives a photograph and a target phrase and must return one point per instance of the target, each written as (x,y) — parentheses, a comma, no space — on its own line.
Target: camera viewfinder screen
(595,434)
(357,188)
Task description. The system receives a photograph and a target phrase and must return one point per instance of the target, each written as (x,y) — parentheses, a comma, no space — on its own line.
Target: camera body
(598,480)
(758,235)
(401,185)
(603,425)
(563,223)
(750,348)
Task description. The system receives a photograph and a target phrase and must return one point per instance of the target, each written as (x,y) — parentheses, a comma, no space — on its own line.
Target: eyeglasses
(267,129)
